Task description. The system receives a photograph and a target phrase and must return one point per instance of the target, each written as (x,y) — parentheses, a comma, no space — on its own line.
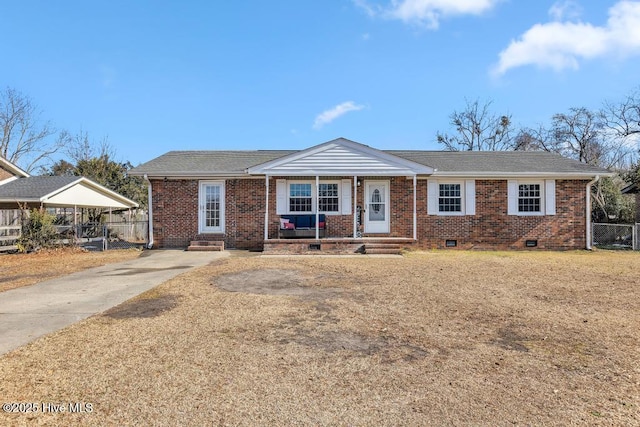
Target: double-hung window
(449,198)
(529,198)
(300,197)
(328,197)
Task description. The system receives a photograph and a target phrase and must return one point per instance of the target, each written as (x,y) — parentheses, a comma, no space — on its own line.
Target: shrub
(38,231)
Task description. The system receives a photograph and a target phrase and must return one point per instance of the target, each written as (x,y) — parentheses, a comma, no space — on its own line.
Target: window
(529,198)
(328,198)
(300,199)
(450,198)
(300,196)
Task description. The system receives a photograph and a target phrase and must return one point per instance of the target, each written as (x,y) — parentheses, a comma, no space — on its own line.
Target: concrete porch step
(206,245)
(383,248)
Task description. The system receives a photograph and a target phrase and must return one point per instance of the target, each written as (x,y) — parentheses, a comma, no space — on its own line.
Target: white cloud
(561,45)
(565,10)
(330,115)
(427,12)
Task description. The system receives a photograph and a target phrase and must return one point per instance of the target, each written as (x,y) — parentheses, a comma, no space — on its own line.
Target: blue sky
(155,76)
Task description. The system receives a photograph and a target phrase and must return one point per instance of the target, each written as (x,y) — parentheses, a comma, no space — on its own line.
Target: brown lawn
(435,338)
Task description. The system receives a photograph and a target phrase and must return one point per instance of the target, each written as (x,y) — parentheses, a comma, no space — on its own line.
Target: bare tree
(80,147)
(478,129)
(622,126)
(578,134)
(530,139)
(23,139)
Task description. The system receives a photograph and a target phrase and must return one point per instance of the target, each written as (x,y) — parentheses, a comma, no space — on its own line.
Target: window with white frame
(328,197)
(529,198)
(449,198)
(300,197)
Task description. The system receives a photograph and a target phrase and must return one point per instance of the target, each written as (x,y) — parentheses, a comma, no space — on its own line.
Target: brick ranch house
(354,195)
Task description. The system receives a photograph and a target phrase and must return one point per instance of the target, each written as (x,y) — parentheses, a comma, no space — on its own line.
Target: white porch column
(355,208)
(266,209)
(317,207)
(415,199)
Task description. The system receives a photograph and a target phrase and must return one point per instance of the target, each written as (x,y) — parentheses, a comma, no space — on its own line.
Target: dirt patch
(143,308)
(274,282)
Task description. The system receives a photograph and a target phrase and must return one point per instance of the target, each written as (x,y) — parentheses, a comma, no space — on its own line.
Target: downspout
(150,212)
(588,211)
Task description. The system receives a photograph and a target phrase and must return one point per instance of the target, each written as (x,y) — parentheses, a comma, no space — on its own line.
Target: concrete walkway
(32,311)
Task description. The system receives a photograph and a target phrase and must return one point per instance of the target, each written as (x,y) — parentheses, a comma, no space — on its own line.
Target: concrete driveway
(29,312)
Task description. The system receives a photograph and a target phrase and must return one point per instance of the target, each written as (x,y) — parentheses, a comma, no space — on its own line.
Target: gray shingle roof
(203,163)
(34,187)
(498,162)
(207,162)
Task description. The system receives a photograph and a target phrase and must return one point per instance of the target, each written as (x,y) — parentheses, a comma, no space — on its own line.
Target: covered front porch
(368,197)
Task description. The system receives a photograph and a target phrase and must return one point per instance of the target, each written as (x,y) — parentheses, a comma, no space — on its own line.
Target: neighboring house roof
(349,156)
(60,191)
(12,169)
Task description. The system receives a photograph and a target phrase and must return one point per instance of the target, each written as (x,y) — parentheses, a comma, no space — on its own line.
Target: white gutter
(150,212)
(588,211)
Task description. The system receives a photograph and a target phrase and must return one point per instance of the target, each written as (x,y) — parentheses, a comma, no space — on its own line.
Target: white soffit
(340,157)
(82,195)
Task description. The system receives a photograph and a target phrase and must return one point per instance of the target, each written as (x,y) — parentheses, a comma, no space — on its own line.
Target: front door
(211,209)
(376,216)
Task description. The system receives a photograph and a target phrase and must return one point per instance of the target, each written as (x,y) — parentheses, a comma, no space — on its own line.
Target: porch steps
(206,245)
(382,248)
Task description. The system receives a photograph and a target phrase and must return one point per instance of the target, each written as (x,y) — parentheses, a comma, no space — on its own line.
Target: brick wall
(4,174)
(492,228)
(175,212)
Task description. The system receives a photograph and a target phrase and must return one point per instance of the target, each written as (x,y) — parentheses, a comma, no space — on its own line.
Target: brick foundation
(175,216)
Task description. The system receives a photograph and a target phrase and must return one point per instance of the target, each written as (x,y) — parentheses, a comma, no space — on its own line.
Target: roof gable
(12,169)
(340,157)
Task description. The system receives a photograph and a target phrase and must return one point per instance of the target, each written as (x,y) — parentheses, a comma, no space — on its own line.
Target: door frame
(202,228)
(377,227)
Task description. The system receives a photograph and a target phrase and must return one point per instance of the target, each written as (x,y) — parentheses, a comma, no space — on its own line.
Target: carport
(72,192)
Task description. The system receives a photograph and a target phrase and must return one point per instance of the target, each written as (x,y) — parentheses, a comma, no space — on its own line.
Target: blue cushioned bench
(304,226)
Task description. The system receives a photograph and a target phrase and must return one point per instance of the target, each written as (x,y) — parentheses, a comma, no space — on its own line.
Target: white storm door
(211,207)
(376,216)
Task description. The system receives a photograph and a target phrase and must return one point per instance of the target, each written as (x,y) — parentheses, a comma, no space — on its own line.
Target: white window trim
(547,197)
(313,197)
(467,197)
(286,199)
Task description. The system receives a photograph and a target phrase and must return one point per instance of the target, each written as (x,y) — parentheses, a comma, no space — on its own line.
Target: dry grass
(26,269)
(437,338)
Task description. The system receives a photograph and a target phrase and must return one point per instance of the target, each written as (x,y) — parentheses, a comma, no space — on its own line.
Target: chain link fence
(616,236)
(113,235)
